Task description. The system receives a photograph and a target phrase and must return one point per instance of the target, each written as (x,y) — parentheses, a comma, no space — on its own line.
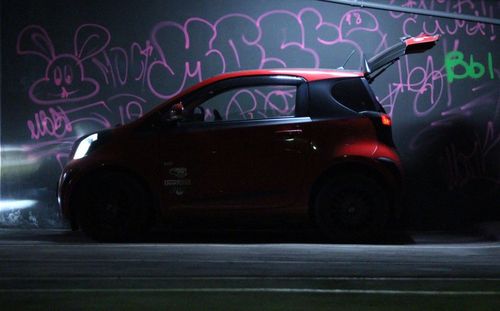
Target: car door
(243,143)
(187,164)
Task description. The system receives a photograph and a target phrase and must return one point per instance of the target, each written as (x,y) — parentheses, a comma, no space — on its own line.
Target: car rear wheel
(112,207)
(352,207)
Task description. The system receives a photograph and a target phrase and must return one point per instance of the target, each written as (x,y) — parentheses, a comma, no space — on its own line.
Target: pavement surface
(62,270)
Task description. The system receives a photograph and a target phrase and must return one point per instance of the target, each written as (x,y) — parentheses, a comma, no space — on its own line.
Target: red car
(293,141)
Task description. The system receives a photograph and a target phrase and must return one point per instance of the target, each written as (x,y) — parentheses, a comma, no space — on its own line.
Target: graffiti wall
(72,67)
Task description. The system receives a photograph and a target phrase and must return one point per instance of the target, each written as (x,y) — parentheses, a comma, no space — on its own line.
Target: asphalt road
(60,270)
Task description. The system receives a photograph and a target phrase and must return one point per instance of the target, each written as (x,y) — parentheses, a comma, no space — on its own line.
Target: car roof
(306,74)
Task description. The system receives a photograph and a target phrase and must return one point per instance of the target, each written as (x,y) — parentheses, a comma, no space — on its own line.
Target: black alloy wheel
(352,207)
(112,207)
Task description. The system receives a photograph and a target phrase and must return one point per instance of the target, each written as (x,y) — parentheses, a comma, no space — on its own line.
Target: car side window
(249,103)
(352,93)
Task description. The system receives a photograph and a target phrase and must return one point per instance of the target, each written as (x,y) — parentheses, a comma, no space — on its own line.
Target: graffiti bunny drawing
(64,80)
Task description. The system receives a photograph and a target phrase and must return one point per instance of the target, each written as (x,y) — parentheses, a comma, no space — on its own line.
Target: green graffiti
(457,68)
(490,66)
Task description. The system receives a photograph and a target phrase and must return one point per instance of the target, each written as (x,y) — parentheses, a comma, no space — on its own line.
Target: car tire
(352,207)
(112,207)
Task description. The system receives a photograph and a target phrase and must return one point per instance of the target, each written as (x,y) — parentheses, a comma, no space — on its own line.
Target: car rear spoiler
(407,45)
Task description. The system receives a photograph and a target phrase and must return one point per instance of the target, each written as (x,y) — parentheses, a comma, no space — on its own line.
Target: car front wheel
(112,207)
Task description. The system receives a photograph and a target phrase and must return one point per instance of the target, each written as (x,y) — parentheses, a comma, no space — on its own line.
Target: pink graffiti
(61,128)
(130,106)
(448,113)
(80,84)
(467,159)
(64,79)
(415,23)
(195,50)
(463,166)
(426,85)
(428,134)
(120,66)
(56,124)
(244,112)
(261,103)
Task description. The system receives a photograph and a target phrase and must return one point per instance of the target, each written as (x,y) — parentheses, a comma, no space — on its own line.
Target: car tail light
(382,123)
(386,120)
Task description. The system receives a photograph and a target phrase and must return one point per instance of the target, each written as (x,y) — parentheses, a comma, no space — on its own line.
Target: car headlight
(84,146)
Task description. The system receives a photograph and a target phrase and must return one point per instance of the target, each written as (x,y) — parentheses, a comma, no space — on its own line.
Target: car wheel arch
(153,200)
(365,167)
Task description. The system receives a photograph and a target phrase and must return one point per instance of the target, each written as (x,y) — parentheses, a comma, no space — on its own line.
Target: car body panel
(189,165)
(244,167)
(130,150)
(193,168)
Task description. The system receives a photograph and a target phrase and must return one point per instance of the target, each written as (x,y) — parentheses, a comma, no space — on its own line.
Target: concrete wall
(123,59)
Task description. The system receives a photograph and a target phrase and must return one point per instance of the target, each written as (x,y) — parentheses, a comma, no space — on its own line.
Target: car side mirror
(176,112)
(171,117)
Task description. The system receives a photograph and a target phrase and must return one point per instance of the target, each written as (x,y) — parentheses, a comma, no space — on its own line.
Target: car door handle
(289,132)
